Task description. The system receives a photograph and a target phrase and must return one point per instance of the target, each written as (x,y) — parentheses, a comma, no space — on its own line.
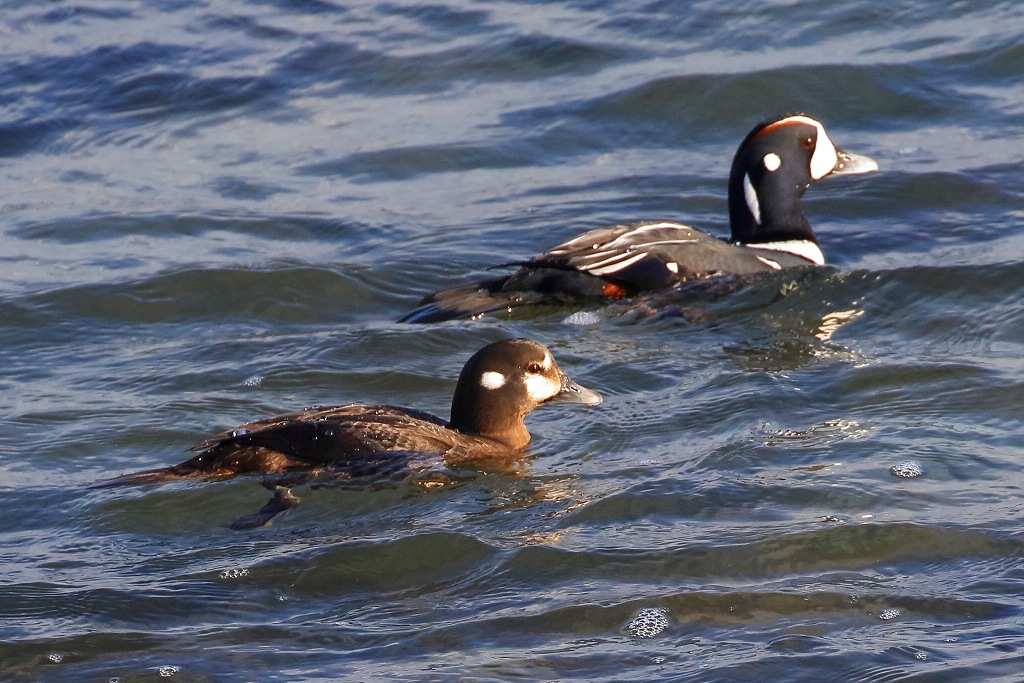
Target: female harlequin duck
(498,386)
(777,161)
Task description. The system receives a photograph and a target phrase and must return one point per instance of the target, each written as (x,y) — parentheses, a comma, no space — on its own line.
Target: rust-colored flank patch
(611,289)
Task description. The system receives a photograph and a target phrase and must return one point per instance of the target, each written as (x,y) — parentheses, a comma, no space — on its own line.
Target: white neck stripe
(750,195)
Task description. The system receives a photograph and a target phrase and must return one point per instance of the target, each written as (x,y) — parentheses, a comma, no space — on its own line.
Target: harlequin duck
(777,161)
(498,386)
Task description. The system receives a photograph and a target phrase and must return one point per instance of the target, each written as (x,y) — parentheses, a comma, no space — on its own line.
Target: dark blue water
(213,212)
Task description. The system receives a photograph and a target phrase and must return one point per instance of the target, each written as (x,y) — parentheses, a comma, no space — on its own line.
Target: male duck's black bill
(572,392)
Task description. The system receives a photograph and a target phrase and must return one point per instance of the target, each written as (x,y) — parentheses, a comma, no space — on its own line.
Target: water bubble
(922,656)
(114,679)
(254,381)
(659,660)
(168,671)
(648,622)
(234,573)
(907,469)
(887,614)
(583,318)
(56,657)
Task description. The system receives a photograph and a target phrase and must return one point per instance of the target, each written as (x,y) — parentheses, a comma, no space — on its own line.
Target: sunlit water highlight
(213,212)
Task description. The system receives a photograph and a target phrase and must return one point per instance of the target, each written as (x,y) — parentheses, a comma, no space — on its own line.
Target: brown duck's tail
(160,476)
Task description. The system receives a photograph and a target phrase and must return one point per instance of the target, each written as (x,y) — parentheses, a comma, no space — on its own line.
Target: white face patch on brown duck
(543,380)
(492,380)
(541,388)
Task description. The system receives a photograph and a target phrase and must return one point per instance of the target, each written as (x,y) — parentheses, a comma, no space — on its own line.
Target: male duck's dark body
(777,161)
(498,386)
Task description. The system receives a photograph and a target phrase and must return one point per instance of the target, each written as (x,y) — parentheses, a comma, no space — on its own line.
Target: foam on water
(648,622)
(907,469)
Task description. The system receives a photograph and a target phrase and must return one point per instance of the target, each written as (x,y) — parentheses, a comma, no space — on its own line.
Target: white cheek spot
(772,161)
(750,194)
(673,266)
(492,380)
(541,388)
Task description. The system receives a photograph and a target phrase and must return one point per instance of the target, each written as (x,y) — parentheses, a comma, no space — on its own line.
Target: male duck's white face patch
(824,158)
(492,380)
(540,388)
(772,161)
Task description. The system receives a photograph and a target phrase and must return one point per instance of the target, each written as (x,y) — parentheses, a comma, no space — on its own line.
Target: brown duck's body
(359,440)
(498,386)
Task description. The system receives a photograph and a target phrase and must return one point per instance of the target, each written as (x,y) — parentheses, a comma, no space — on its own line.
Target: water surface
(214,211)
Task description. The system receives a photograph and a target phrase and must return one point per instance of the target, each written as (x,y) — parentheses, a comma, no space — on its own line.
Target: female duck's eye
(534,368)
(807,143)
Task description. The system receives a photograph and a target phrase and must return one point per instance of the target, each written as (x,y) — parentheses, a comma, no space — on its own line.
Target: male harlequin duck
(498,386)
(777,161)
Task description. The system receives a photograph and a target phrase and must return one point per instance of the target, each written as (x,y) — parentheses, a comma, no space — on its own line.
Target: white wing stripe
(647,245)
(658,226)
(603,259)
(616,267)
(625,237)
